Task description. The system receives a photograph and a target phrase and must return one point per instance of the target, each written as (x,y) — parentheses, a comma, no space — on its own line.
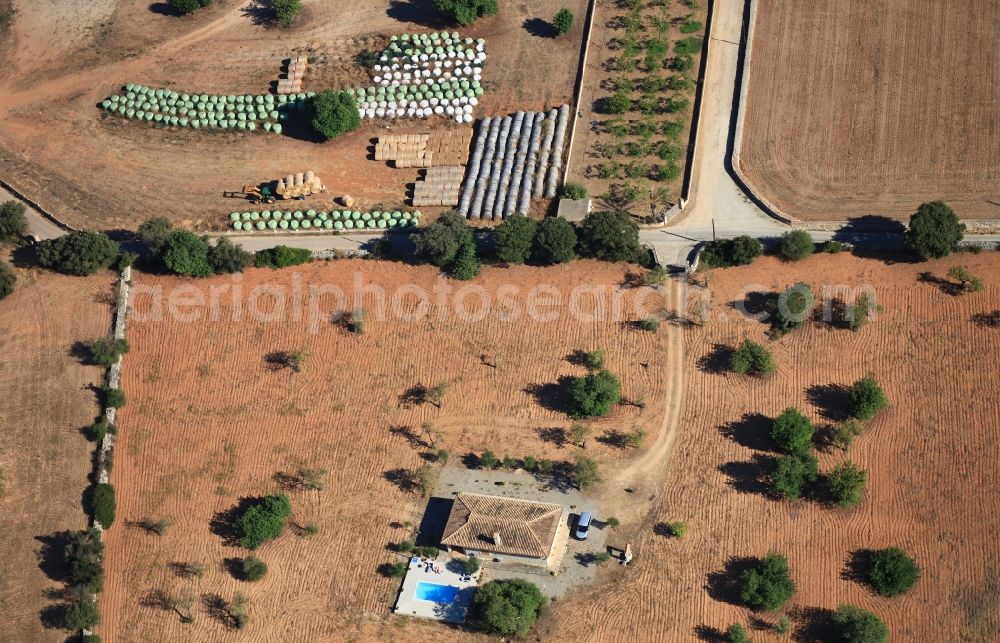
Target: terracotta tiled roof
(525,528)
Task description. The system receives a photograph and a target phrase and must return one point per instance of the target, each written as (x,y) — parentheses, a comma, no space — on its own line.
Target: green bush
(844,434)
(609,236)
(105,352)
(333,113)
(263,520)
(77,253)
(866,398)
(465,265)
(690,26)
(114,397)
(155,233)
(573,191)
(470,565)
(395,570)
(13,222)
(440,242)
(792,432)
(514,237)
(186,253)
(465,12)
(846,484)
(791,473)
(892,572)
(506,607)
(688,46)
(563,21)
(189,6)
(767,585)
(85,559)
(796,245)
(751,357)
(594,360)
(934,231)
(101,428)
(81,613)
(736,633)
(228,257)
(794,306)
(723,253)
(287,10)
(8,279)
(667,171)
(489,460)
(281,257)
(104,504)
(253,568)
(91,638)
(856,625)
(555,241)
(618,103)
(651,324)
(681,63)
(594,394)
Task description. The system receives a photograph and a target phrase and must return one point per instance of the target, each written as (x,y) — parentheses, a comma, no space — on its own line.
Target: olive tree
(563,21)
(8,279)
(333,113)
(555,241)
(934,231)
(514,238)
(506,607)
(594,394)
(78,253)
(465,12)
(767,584)
(13,222)
(892,572)
(866,398)
(793,432)
(857,625)
(846,484)
(796,245)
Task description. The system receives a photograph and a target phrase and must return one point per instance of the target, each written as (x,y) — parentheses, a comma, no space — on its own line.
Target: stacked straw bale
(300,184)
(439,186)
(292,82)
(437,148)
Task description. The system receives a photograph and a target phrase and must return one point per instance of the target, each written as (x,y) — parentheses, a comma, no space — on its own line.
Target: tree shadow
(577,358)
(81,352)
(944,285)
(859,229)
(413,396)
(418,12)
(471,461)
(164,9)
(222,523)
(551,395)
(708,633)
(987,320)
(757,303)
(287,481)
(832,401)
(814,625)
(752,431)
(540,28)
(217,608)
(837,317)
(750,476)
(410,436)
(856,568)
(663,529)
(402,478)
(553,435)
(53,617)
(234,566)
(613,438)
(724,585)
(52,555)
(717,360)
(261,13)
(182,569)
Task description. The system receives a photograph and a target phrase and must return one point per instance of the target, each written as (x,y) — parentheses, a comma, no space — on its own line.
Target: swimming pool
(436,593)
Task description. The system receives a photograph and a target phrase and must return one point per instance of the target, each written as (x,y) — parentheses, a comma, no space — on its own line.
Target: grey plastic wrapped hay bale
(524,201)
(497,168)
(482,180)
(545,154)
(552,180)
(514,193)
(472,170)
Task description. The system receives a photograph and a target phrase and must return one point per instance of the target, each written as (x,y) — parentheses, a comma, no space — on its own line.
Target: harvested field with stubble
(209,423)
(871,108)
(931,460)
(46,458)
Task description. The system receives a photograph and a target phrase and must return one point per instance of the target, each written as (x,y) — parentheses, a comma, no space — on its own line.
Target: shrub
(794,306)
(656,276)
(934,231)
(440,242)
(103,504)
(356,321)
(263,520)
(892,572)
(514,237)
(105,352)
(367,59)
(85,559)
(253,568)
(489,460)
(579,433)
(81,613)
(736,633)
(681,63)
(573,191)
(594,360)
(585,472)
(613,522)
(470,565)
(155,233)
(101,428)
(124,260)
(113,397)
(395,570)
(619,102)
(563,21)
(846,484)
(833,247)
(91,638)
(690,26)
(791,473)
(506,607)
(676,104)
(187,254)
(795,245)
(555,241)
(333,113)
(767,585)
(287,10)
(13,222)
(466,265)
(228,257)
(465,12)
(968,281)
(8,279)
(751,357)
(594,394)
(650,324)
(844,434)
(866,398)
(689,45)
(189,6)
(678,528)
(672,129)
(78,253)
(856,625)
(281,257)
(792,432)
(667,171)
(609,236)
(857,314)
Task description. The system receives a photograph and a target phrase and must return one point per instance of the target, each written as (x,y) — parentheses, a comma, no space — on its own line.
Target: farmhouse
(520,531)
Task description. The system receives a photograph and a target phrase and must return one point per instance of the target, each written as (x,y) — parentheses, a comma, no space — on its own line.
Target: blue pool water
(436,593)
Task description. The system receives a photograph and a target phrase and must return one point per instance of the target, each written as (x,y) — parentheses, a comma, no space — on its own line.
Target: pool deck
(409,605)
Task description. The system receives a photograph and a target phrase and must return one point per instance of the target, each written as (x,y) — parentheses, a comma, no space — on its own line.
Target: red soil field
(102,172)
(208,423)
(930,457)
(46,458)
(864,108)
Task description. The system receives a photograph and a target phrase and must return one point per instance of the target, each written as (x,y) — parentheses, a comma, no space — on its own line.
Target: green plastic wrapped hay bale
(322,215)
(239,99)
(183,122)
(265,214)
(338,225)
(255,216)
(261,225)
(149,116)
(128,112)
(356,215)
(366,216)
(307,224)
(106,103)
(234,216)
(380,223)
(277,128)
(370,223)
(251,126)
(241,125)
(298,215)
(393,223)
(213,123)
(272,224)
(310,213)
(240,116)
(245,216)
(196,124)
(174,121)
(288,216)
(267,127)
(295,224)
(283,224)
(329,224)
(237,225)
(406,216)
(348,225)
